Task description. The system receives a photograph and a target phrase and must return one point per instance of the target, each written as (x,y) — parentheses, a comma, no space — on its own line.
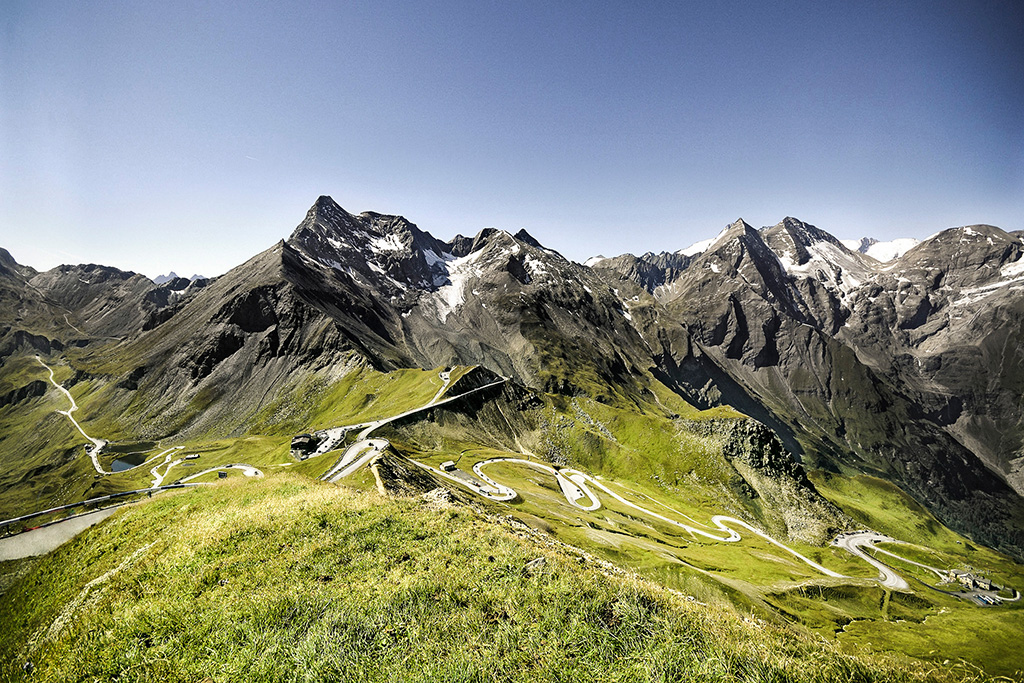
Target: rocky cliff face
(776,485)
(904,369)
(498,300)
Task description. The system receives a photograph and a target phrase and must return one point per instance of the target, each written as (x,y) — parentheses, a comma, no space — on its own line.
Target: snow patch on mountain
(703,245)
(339,244)
(888,251)
(1014,281)
(536,266)
(438,264)
(433,259)
(459,272)
(697,247)
(386,243)
(834,267)
(881,251)
(975,294)
(1013,270)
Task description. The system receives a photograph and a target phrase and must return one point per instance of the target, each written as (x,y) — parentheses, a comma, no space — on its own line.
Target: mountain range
(908,369)
(792,436)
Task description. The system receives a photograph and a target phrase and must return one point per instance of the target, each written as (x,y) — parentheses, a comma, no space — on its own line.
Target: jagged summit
(325,217)
(327,207)
(526,237)
(799,233)
(161,279)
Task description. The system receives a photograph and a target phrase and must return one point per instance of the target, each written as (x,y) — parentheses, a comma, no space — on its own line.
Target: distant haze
(169,136)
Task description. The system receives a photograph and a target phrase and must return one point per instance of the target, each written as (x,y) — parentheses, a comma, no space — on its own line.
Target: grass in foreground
(287,579)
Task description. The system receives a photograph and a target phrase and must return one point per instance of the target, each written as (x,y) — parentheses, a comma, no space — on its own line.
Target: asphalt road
(576,485)
(97,444)
(355,456)
(579,490)
(886,575)
(45,539)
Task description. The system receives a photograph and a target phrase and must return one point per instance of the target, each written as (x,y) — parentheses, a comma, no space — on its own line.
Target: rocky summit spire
(327,211)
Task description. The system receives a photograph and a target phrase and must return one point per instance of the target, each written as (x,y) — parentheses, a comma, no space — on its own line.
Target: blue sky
(190,135)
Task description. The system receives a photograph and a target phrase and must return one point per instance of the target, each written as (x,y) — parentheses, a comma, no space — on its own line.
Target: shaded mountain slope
(369,290)
(845,356)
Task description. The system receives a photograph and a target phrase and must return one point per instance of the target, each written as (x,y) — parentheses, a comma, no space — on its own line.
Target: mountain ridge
(857,365)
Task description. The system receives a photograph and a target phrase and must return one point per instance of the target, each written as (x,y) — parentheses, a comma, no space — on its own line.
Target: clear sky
(153,135)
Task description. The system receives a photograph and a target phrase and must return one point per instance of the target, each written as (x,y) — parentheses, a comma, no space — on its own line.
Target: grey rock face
(908,369)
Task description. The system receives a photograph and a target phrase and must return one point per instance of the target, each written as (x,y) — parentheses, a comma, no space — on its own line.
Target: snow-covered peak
(703,245)
(697,247)
(805,251)
(593,261)
(860,245)
(881,251)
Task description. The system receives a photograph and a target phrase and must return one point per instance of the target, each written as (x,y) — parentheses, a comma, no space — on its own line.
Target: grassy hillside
(647,446)
(287,579)
(42,458)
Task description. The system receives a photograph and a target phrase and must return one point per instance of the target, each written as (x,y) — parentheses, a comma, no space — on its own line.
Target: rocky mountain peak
(6,260)
(968,256)
(792,234)
(864,244)
(984,244)
(328,208)
(460,245)
(738,237)
(483,238)
(10,267)
(740,225)
(526,237)
(325,217)
(161,279)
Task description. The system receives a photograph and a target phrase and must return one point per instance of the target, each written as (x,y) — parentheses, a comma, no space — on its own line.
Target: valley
(734,425)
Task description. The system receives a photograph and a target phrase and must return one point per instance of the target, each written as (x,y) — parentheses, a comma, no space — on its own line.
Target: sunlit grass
(286,579)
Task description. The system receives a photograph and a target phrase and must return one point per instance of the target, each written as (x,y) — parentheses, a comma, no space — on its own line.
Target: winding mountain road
(577,487)
(364,448)
(582,490)
(938,572)
(356,455)
(159,478)
(98,444)
(886,575)
(247,470)
(167,464)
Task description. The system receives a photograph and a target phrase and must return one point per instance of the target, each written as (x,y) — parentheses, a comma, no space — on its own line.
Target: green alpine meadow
(367,454)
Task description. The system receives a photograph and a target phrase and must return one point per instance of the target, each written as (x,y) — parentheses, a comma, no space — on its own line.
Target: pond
(130,454)
(127,462)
